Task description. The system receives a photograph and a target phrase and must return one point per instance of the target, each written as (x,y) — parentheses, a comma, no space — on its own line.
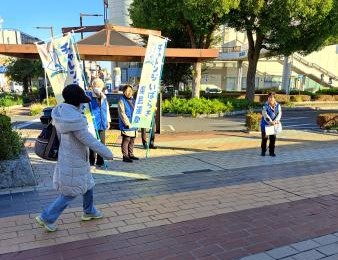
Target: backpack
(47,144)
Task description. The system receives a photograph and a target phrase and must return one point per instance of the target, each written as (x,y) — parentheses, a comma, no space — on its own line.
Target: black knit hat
(73,94)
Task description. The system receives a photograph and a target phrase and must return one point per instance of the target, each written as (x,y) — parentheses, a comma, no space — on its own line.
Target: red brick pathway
(224,236)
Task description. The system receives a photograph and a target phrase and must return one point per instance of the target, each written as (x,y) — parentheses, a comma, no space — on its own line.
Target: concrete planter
(17,172)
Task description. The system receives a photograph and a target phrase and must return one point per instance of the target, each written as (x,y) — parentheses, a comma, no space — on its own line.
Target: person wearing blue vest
(271,115)
(126,106)
(100,110)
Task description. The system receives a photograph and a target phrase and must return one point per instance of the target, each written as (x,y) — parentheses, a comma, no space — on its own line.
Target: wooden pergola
(109,44)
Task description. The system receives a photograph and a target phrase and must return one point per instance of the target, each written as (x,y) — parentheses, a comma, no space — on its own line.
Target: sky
(24,15)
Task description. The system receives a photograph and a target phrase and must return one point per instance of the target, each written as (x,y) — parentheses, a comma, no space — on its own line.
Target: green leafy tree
(174,73)
(23,71)
(195,19)
(283,27)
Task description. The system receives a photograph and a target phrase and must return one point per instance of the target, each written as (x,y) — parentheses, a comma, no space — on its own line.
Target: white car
(213,90)
(16,87)
(210,88)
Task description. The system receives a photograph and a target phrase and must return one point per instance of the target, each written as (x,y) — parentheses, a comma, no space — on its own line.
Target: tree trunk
(196,82)
(253,57)
(250,79)
(25,85)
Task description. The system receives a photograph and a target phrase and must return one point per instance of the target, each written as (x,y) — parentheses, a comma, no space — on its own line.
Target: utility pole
(83,61)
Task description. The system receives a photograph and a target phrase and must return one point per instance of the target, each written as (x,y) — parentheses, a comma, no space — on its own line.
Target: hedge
(36,109)
(7,100)
(200,106)
(300,98)
(327,120)
(302,92)
(326,97)
(195,106)
(252,121)
(329,91)
(10,140)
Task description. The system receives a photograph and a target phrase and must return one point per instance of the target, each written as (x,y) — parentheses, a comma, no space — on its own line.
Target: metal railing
(315,66)
(230,49)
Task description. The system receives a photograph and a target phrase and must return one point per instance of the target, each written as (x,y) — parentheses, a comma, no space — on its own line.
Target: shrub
(51,100)
(36,109)
(329,91)
(195,106)
(10,140)
(327,120)
(241,104)
(300,98)
(282,98)
(325,98)
(302,92)
(31,97)
(7,100)
(253,120)
(268,90)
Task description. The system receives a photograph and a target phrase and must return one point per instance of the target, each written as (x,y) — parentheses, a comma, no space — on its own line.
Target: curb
(331,131)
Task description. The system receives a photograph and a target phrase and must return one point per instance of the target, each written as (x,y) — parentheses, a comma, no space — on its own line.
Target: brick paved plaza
(203,195)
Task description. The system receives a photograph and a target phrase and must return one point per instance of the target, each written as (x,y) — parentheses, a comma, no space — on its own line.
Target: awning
(110,44)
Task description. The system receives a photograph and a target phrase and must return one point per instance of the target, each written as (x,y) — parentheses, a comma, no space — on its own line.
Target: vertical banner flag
(62,66)
(145,104)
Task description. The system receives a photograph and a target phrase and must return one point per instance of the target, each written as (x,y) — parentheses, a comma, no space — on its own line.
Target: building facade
(228,72)
(11,36)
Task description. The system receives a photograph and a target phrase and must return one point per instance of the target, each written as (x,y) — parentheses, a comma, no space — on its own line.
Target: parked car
(112,98)
(213,90)
(210,88)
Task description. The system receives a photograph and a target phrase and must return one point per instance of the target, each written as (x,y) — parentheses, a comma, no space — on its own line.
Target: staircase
(312,70)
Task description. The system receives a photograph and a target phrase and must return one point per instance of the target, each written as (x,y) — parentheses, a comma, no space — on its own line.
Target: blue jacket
(100,112)
(128,110)
(269,113)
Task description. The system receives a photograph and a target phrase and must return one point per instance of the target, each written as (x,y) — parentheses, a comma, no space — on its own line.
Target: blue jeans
(54,210)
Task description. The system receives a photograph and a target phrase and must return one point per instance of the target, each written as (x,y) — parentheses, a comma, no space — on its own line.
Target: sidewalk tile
(309,255)
(329,249)
(261,256)
(305,245)
(281,252)
(325,240)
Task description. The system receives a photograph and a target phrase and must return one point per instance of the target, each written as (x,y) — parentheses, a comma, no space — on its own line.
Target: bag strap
(50,142)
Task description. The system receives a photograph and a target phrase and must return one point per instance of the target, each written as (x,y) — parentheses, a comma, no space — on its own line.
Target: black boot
(127,159)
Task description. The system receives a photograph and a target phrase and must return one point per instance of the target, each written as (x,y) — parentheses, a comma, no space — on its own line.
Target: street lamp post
(82,15)
(52,35)
(47,27)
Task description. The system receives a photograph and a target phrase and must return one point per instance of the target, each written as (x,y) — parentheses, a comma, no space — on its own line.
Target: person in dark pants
(271,115)
(100,110)
(144,138)
(126,106)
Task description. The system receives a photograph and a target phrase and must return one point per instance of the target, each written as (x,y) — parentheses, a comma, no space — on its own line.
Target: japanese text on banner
(146,99)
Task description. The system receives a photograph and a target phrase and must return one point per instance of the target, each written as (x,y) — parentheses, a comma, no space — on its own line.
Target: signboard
(145,104)
(61,63)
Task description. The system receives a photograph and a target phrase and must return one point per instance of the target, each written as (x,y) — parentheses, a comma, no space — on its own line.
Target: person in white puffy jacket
(72,176)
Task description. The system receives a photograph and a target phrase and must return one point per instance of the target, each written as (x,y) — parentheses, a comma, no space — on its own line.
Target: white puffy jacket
(72,174)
